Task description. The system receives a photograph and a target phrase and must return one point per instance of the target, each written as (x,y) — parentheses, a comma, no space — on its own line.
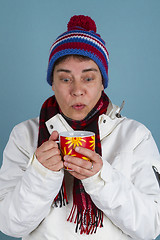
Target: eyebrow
(85,70)
(63,70)
(90,69)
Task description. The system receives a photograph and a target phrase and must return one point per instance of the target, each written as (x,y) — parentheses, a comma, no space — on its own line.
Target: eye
(88,79)
(65,80)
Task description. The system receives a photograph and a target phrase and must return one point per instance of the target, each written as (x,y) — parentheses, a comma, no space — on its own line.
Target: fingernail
(77,149)
(65,164)
(65,157)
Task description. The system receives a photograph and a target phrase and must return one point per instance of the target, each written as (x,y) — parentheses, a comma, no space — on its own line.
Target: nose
(77,89)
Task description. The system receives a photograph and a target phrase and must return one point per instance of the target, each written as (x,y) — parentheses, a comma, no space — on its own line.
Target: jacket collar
(107,122)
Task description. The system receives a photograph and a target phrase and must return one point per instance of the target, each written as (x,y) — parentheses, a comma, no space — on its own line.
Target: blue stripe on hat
(78,52)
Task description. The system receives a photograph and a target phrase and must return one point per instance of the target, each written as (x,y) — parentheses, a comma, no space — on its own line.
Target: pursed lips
(78,106)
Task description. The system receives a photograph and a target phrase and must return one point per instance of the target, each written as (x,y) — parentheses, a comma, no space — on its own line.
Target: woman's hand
(48,154)
(82,168)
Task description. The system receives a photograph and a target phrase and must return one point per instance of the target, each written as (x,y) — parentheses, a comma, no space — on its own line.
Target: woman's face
(77,85)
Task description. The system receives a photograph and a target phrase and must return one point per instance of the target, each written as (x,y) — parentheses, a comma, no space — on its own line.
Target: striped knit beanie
(80,39)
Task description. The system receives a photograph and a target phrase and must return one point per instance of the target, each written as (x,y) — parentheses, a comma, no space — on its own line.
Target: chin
(78,118)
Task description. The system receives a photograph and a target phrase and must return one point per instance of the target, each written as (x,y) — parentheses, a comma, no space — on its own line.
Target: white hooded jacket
(126,189)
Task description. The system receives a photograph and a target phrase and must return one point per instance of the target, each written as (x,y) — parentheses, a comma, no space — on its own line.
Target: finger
(47,146)
(46,155)
(93,156)
(54,136)
(83,172)
(53,162)
(79,176)
(80,162)
(55,167)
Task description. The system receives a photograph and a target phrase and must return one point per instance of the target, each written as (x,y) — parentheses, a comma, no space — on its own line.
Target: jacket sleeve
(27,189)
(132,200)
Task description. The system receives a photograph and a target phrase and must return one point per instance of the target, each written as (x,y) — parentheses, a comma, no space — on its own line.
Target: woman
(116,195)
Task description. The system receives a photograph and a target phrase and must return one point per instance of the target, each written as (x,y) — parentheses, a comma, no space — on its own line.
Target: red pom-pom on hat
(81,21)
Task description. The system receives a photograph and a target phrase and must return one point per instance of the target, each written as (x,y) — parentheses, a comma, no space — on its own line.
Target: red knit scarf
(84,212)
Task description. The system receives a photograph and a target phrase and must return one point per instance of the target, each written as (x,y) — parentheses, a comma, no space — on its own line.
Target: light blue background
(131,29)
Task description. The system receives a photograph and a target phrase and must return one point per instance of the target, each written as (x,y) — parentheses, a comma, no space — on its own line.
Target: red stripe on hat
(82,35)
(81,46)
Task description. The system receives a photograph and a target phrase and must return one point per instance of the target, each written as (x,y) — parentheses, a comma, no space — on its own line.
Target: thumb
(54,136)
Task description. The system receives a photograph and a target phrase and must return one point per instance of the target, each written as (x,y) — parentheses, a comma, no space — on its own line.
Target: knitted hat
(80,39)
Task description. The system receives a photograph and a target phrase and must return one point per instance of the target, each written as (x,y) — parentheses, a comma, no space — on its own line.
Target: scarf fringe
(86,221)
(61,198)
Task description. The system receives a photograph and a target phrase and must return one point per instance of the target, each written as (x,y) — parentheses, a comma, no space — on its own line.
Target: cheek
(57,90)
(97,91)
(61,97)
(96,94)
